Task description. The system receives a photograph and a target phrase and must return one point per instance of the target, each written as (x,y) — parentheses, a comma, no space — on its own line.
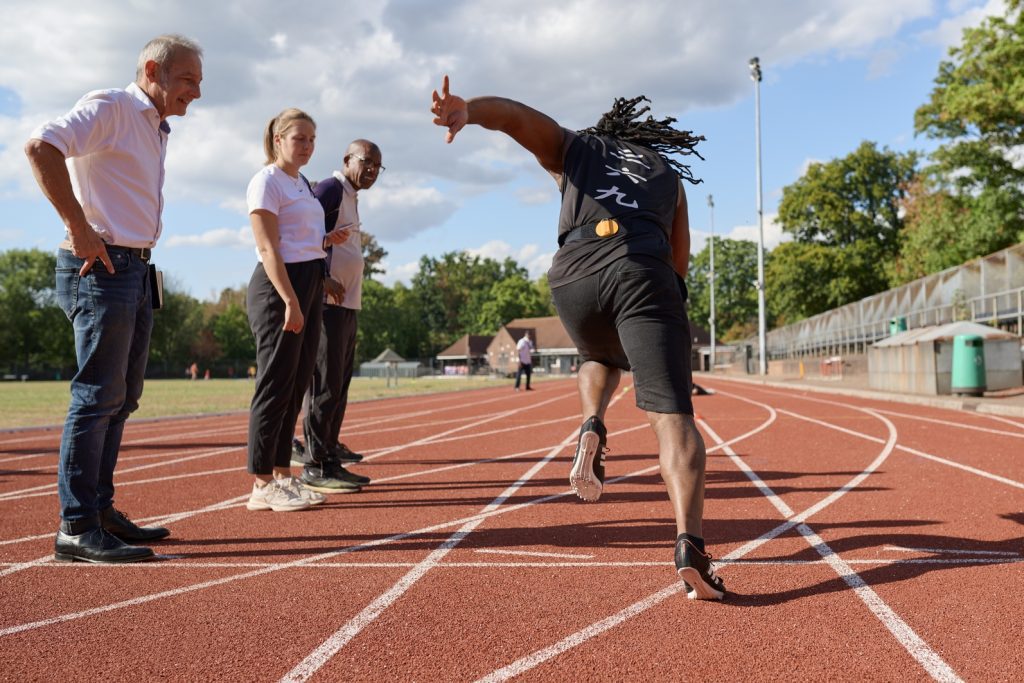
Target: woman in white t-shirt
(284,304)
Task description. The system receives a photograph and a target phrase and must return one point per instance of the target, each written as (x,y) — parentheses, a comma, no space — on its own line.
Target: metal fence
(987,290)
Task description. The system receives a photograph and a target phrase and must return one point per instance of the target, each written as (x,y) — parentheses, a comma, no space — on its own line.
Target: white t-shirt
(347,259)
(300,218)
(525,347)
(115,146)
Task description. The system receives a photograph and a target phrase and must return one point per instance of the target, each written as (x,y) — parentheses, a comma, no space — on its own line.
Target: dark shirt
(606,178)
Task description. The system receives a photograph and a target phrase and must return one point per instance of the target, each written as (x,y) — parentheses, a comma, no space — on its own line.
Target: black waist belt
(581,232)
(142,253)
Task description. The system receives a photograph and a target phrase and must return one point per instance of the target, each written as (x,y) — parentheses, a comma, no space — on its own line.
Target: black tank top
(606,178)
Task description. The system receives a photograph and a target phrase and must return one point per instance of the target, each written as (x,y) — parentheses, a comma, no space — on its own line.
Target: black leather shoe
(117,524)
(97,546)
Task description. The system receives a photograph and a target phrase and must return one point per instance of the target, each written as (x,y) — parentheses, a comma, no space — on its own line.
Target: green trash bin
(968,365)
(897,325)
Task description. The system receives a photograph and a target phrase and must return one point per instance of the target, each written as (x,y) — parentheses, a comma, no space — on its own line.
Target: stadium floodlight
(711,277)
(755,75)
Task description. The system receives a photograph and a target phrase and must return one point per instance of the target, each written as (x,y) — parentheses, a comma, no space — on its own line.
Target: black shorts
(631,315)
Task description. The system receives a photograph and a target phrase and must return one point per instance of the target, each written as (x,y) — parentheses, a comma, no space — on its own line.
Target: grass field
(34,404)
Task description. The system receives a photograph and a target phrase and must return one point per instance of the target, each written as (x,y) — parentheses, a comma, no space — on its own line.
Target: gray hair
(163,50)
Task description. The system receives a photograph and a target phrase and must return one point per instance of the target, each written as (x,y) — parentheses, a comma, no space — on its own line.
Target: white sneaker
(295,485)
(276,497)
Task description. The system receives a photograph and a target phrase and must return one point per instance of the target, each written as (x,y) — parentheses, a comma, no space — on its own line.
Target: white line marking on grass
(531,553)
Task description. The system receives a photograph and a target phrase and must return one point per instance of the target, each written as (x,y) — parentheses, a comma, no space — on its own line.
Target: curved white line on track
(914,645)
(316,659)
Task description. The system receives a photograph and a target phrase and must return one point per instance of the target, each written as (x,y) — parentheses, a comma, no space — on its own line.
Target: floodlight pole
(711,208)
(755,75)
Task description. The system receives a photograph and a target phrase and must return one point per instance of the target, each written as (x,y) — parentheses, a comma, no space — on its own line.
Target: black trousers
(328,392)
(528,370)
(284,361)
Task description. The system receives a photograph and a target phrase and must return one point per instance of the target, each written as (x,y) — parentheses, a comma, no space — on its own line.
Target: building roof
(388,356)
(547,332)
(468,346)
(943,333)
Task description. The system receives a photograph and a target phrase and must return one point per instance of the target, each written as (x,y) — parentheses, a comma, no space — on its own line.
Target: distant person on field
(284,304)
(524,349)
(323,455)
(617,282)
(101,165)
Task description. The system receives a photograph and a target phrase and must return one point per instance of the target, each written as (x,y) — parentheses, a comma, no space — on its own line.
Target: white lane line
(959,425)
(320,656)
(51,489)
(296,563)
(442,435)
(928,658)
(172,562)
(914,645)
(531,553)
(756,480)
(912,451)
(47,560)
(951,551)
(540,656)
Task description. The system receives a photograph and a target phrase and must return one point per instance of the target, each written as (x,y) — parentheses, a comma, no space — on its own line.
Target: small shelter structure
(466,356)
(920,361)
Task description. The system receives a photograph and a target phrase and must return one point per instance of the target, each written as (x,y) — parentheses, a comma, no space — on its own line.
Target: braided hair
(622,122)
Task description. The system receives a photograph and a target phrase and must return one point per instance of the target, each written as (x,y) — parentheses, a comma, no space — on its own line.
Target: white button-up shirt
(347,258)
(115,144)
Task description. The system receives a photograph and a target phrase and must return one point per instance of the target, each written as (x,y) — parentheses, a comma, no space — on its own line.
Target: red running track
(859,540)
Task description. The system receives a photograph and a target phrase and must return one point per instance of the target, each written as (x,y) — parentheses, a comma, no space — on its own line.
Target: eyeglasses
(369,164)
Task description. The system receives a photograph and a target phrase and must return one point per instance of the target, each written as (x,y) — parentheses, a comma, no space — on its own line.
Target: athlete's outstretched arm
(536,132)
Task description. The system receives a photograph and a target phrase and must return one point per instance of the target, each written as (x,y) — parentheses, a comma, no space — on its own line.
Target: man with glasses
(323,455)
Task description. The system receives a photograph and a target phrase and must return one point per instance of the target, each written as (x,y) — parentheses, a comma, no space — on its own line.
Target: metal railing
(987,290)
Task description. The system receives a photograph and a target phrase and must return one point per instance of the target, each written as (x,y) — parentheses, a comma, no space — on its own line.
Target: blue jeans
(112,315)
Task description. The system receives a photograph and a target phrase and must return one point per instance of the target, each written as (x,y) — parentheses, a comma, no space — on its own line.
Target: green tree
(803,280)
(452,289)
(973,202)
(390,318)
(852,205)
(735,296)
(510,298)
(175,328)
(234,337)
(35,332)
(373,254)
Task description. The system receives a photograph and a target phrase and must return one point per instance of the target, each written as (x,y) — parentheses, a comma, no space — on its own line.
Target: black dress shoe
(97,545)
(116,523)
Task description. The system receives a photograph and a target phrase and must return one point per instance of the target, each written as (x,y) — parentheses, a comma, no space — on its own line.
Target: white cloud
(400,273)
(237,238)
(950,32)
(528,256)
(773,234)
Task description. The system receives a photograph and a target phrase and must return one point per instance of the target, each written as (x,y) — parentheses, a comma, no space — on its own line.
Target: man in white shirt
(323,454)
(524,347)
(101,165)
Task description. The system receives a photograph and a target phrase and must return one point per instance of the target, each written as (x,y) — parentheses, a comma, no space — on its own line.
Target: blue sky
(836,72)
